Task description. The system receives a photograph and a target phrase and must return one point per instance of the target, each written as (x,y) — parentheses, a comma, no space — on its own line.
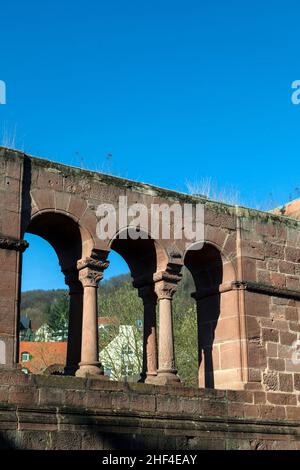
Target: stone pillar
(167,373)
(11,250)
(75,320)
(90,273)
(149,298)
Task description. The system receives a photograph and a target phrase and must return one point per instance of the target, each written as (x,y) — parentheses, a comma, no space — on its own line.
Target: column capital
(166,281)
(165,290)
(91,271)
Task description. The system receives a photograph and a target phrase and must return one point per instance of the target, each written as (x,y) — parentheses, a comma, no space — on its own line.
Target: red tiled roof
(106,320)
(43,354)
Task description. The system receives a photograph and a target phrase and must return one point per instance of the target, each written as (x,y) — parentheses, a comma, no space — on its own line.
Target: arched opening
(219,338)
(44,308)
(48,342)
(185,330)
(120,322)
(144,257)
(63,234)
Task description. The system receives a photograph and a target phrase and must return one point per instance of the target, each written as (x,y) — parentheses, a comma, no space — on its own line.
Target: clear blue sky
(174,90)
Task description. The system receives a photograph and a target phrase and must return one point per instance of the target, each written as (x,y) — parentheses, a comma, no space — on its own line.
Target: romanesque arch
(219,335)
(145,257)
(71,243)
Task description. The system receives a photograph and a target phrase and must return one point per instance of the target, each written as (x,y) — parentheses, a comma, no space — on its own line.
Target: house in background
(44,333)
(26,333)
(42,357)
(46,352)
(106,322)
(122,357)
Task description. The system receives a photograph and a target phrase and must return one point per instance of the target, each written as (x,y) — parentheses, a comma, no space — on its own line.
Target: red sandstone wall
(271,255)
(258,322)
(11,169)
(41,412)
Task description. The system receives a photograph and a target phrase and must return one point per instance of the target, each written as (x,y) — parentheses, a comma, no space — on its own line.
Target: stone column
(11,250)
(90,273)
(75,320)
(167,373)
(149,298)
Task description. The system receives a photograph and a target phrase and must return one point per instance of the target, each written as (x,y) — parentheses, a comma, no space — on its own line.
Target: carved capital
(8,243)
(166,281)
(165,289)
(91,271)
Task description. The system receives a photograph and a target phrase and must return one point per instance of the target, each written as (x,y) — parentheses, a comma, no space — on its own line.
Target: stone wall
(39,412)
(247,292)
(271,271)
(257,293)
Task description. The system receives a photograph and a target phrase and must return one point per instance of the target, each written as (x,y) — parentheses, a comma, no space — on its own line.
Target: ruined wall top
(288,216)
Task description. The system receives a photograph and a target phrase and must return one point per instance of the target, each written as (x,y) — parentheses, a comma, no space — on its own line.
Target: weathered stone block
(287,338)
(272,412)
(98,400)
(23,395)
(144,403)
(292,254)
(281,399)
(276,364)
(273,250)
(270,334)
(286,382)
(62,440)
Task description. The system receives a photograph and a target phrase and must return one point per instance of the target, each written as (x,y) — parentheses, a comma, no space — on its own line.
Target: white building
(122,357)
(46,335)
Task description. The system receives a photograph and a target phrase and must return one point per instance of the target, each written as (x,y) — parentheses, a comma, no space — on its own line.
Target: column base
(151,379)
(87,369)
(147,378)
(166,377)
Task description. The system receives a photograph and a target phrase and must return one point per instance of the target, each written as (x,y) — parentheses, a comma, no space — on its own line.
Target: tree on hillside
(58,314)
(36,304)
(185,330)
(186,350)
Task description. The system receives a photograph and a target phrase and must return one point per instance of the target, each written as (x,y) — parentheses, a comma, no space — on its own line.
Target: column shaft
(89,345)
(167,373)
(90,273)
(147,294)
(74,333)
(166,340)
(149,342)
